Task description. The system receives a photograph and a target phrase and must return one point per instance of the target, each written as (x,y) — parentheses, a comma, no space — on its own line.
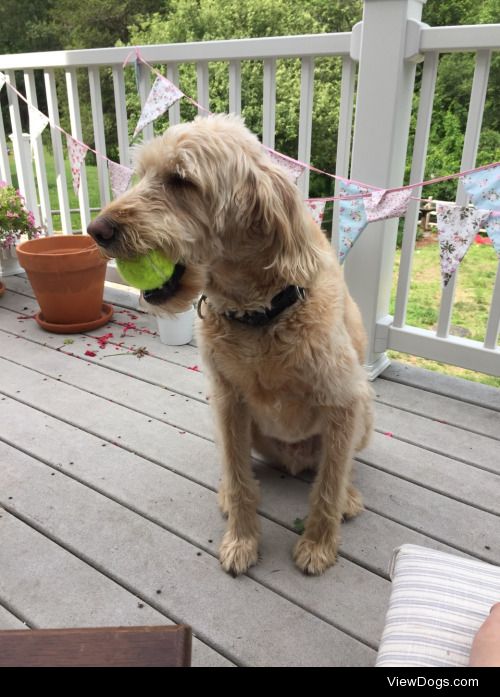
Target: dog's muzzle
(157,296)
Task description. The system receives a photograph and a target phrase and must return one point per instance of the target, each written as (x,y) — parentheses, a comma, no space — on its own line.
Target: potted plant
(67,274)
(16,224)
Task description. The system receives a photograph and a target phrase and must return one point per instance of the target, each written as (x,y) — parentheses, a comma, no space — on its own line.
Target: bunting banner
(162,96)
(457,227)
(359,203)
(76,152)
(385,204)
(352,217)
(119,178)
(38,122)
(317,210)
(292,167)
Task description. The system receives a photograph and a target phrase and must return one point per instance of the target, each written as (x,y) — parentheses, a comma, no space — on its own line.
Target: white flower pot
(177,330)
(9,264)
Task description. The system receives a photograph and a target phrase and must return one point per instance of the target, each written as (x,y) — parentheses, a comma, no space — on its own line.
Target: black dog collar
(157,296)
(260,318)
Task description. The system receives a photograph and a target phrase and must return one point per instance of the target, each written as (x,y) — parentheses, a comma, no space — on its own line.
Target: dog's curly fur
(211,198)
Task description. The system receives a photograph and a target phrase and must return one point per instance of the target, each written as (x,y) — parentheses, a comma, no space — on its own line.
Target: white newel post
(383,109)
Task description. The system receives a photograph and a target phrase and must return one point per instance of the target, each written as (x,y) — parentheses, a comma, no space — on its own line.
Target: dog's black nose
(103,232)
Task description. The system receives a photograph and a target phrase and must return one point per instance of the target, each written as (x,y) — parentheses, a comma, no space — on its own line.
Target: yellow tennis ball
(146,272)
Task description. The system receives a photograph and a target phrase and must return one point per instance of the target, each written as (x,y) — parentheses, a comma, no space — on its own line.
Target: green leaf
(299,525)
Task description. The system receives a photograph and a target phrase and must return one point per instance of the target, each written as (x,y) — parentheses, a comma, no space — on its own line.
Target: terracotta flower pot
(67,275)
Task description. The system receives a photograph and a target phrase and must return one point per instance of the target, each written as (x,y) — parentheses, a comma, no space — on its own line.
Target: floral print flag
(76,153)
(386,204)
(163,94)
(292,167)
(38,121)
(483,188)
(317,210)
(493,230)
(119,178)
(352,217)
(457,227)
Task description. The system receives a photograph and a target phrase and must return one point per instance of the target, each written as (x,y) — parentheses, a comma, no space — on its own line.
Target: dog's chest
(279,399)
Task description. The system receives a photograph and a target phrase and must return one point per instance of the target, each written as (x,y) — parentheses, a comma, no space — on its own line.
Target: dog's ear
(282,214)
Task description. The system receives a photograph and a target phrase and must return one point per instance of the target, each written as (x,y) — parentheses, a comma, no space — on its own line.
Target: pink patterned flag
(76,152)
(293,168)
(386,204)
(119,177)
(38,121)
(457,227)
(317,208)
(163,94)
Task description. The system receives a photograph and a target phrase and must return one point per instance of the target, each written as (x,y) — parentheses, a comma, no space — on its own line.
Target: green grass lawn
(472,301)
(92,183)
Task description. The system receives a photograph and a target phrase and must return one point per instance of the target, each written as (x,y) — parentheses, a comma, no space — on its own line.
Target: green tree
(205,20)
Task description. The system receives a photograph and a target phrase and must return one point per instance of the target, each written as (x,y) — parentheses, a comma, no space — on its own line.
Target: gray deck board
(10,621)
(122,468)
(76,596)
(145,558)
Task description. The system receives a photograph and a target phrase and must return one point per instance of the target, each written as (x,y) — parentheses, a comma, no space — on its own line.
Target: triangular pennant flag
(293,168)
(76,152)
(386,204)
(163,94)
(317,209)
(493,230)
(119,177)
(38,121)
(352,217)
(3,80)
(457,227)
(483,188)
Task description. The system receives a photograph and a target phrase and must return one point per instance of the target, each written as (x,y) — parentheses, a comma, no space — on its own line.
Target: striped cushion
(437,604)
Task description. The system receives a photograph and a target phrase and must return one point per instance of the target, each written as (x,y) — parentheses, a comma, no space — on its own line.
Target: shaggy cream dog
(281,337)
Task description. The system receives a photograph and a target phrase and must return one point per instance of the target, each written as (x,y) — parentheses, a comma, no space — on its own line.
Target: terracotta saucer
(81,327)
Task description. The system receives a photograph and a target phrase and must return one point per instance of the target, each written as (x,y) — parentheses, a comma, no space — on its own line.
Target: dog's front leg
(239,489)
(317,548)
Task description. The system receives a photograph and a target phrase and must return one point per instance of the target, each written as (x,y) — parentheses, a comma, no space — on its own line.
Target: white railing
(305,48)
(381,52)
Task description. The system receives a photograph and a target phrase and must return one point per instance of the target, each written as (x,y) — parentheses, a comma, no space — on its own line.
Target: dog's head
(208,191)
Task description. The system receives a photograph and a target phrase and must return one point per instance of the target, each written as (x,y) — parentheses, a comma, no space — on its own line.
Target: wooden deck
(108,479)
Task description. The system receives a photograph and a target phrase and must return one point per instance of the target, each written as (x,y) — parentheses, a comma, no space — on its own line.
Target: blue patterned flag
(493,230)
(483,188)
(352,218)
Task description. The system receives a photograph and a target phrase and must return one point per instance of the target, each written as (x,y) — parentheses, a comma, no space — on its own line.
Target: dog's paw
(354,503)
(238,554)
(313,557)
